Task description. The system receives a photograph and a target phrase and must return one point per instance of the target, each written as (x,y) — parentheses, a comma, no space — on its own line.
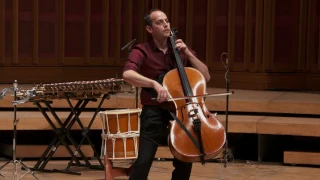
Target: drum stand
(15,122)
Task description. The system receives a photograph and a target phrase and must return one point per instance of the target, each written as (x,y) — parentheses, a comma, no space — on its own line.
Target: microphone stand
(226,153)
(129,45)
(15,122)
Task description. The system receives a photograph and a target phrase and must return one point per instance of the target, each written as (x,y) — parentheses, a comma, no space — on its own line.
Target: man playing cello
(146,64)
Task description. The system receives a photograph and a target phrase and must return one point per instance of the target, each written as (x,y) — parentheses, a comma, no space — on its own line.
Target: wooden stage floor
(161,170)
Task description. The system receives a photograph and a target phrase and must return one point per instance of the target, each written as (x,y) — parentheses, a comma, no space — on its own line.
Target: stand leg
(15,169)
(53,144)
(66,127)
(27,169)
(58,139)
(85,136)
(4,166)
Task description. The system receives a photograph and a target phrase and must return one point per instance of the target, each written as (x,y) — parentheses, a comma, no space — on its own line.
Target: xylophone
(74,90)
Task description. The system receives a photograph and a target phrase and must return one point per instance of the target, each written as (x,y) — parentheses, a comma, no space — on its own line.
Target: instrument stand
(226,153)
(64,131)
(14,159)
(84,136)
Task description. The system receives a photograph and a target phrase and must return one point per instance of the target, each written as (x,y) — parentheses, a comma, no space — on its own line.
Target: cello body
(212,132)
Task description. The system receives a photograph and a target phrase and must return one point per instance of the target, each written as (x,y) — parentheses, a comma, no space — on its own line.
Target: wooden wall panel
(15,31)
(249,29)
(8,30)
(96,28)
(181,26)
(74,30)
(166,6)
(302,38)
(256,64)
(35,53)
(268,11)
(95,33)
(112,27)
(2,30)
(220,35)
(199,29)
(105,29)
(231,32)
(313,41)
(156,4)
(189,22)
(117,29)
(138,28)
(210,34)
(175,6)
(285,36)
(263,38)
(48,37)
(25,35)
(87,28)
(114,32)
(61,44)
(126,30)
(238,60)
(240,9)
(318,30)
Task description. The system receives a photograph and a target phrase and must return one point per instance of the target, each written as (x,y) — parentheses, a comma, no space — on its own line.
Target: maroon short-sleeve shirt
(148,60)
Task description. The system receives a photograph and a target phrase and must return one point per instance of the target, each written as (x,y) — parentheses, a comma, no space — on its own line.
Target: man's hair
(147,19)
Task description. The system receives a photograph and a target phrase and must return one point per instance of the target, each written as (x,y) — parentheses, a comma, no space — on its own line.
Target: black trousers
(154,132)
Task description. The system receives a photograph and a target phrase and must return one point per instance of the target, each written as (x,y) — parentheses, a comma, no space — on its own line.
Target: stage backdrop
(271,44)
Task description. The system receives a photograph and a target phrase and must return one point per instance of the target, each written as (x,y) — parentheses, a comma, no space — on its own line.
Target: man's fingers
(179,41)
(180,46)
(162,96)
(159,96)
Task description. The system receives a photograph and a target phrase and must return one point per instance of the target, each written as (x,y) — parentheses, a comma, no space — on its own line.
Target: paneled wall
(270,43)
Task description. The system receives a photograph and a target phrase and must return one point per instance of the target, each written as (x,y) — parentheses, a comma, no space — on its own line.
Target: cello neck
(182,73)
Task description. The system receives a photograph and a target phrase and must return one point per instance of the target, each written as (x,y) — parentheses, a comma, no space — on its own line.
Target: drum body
(120,133)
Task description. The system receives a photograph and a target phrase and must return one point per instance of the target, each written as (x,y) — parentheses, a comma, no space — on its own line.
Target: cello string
(183,76)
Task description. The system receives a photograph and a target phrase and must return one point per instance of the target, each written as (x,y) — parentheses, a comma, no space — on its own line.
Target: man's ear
(149,29)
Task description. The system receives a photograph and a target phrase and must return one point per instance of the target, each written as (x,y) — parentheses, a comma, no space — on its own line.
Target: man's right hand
(138,80)
(163,94)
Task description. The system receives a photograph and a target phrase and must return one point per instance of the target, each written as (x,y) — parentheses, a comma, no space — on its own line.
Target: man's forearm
(200,66)
(136,79)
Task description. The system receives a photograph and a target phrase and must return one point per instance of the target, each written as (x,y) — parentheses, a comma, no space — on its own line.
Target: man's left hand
(182,47)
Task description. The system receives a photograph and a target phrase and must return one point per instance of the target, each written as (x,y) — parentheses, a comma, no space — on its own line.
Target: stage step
(35,151)
(303,158)
(297,126)
(289,126)
(29,120)
(240,101)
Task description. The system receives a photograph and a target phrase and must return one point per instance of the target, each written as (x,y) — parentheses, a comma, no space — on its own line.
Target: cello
(195,134)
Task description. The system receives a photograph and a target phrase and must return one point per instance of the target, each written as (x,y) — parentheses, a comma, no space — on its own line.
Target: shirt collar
(154,47)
